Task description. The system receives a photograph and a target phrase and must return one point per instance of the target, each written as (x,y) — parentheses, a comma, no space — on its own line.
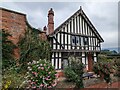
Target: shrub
(74,71)
(95,68)
(12,79)
(103,69)
(41,74)
(117,65)
(70,74)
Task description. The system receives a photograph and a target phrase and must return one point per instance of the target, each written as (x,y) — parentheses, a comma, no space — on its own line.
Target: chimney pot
(51,12)
(45,28)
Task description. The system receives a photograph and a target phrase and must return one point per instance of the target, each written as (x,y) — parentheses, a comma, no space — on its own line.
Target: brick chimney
(50,21)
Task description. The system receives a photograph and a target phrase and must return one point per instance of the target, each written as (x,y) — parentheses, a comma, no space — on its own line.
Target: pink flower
(47,79)
(31,83)
(44,64)
(38,67)
(54,84)
(48,76)
(49,72)
(40,64)
(34,87)
(42,68)
(41,85)
(49,86)
(56,75)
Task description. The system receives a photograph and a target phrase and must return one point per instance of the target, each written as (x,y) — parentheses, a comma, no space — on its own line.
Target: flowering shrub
(103,69)
(41,74)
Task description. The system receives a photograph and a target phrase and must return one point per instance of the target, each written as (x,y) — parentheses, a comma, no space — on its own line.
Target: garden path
(104,85)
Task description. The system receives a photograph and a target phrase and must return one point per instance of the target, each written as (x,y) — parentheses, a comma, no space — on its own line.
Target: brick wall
(15,23)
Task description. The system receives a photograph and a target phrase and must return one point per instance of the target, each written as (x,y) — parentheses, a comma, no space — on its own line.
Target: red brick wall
(43,36)
(15,24)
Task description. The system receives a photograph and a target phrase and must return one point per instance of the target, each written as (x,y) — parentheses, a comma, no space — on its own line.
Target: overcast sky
(103,15)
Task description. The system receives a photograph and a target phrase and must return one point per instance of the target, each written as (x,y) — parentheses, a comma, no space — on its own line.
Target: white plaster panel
(60,63)
(56,63)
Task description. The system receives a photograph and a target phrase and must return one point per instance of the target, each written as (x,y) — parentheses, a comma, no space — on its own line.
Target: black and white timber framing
(76,36)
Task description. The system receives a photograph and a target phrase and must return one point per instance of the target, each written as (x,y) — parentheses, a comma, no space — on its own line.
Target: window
(75,40)
(85,40)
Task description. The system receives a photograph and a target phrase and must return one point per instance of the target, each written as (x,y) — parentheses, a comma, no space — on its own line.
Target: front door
(90,62)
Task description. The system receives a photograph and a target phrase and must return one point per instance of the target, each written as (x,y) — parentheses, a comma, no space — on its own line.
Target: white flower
(29,63)
(34,62)
(37,61)
(27,72)
(28,67)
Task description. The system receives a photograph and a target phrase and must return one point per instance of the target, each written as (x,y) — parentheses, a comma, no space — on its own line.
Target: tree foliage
(33,48)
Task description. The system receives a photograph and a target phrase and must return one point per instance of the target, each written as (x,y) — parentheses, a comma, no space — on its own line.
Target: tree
(7,51)
(33,48)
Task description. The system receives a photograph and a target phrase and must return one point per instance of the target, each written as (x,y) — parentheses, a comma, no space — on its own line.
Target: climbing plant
(33,48)
(7,51)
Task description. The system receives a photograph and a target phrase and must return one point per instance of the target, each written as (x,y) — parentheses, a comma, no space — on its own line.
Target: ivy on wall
(7,51)
(33,48)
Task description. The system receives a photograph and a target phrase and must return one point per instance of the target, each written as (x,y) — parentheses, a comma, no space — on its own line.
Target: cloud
(103,15)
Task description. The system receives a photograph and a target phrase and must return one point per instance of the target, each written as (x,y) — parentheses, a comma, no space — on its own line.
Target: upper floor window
(75,40)
(85,40)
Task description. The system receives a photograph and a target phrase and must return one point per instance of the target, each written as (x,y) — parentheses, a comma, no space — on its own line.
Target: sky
(103,15)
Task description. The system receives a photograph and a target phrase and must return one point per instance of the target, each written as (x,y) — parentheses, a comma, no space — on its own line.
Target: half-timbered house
(76,36)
